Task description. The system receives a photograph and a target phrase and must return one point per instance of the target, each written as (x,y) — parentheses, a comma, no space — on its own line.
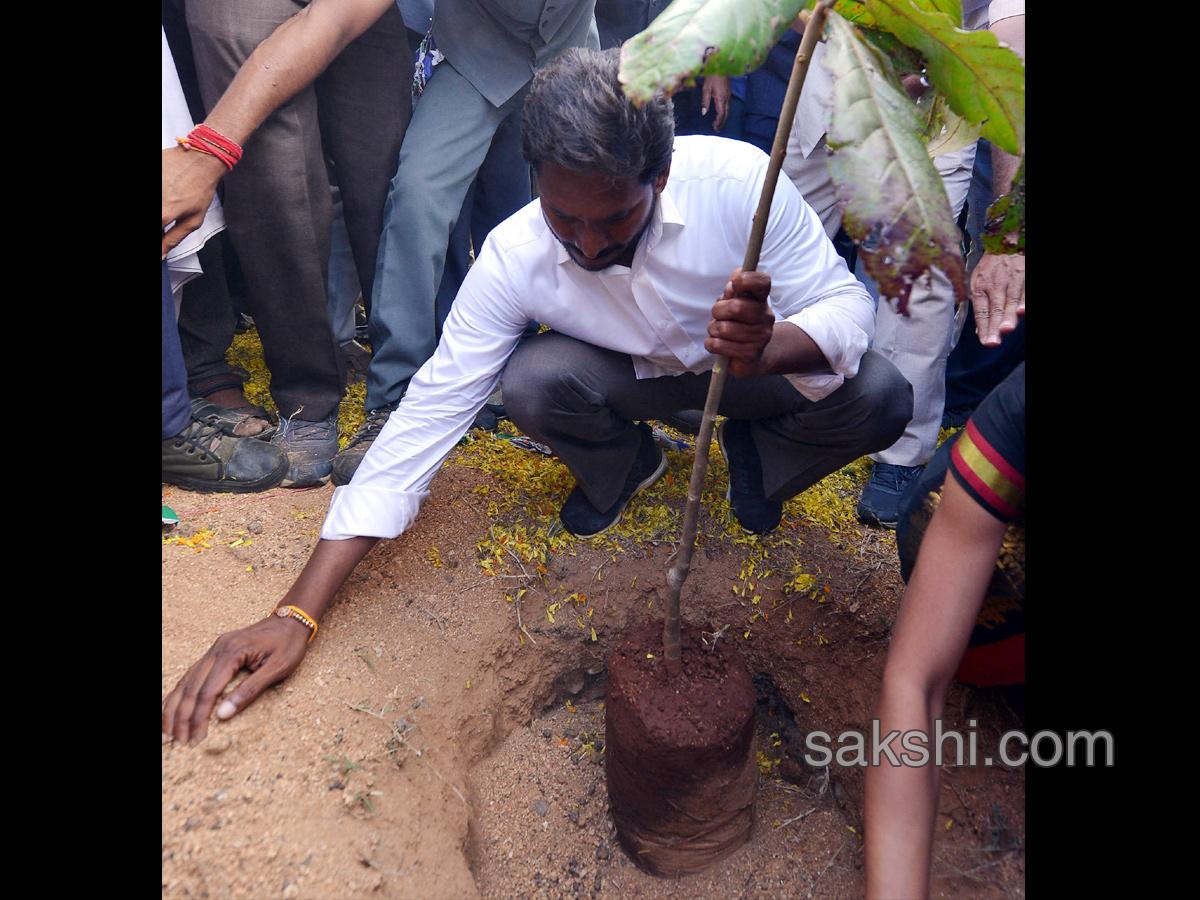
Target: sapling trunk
(814,25)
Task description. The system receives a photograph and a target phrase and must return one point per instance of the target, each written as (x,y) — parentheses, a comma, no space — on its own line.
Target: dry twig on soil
(404,742)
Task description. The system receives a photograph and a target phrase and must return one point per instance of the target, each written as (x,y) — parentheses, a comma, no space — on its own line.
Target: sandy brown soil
(427,747)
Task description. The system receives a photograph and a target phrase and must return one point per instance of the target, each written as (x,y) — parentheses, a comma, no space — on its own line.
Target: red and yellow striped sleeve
(986,474)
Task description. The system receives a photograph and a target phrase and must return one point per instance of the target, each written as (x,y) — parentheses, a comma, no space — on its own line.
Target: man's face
(599,219)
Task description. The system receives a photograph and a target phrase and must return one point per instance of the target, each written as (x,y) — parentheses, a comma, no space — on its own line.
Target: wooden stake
(679,572)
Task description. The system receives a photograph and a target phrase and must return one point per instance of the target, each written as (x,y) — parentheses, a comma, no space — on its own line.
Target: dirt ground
(444,736)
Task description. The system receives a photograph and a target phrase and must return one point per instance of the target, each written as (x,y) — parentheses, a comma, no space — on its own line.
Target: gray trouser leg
(919,343)
(583,400)
(446,143)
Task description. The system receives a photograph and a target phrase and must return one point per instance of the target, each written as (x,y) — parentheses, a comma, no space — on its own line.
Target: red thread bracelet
(212,142)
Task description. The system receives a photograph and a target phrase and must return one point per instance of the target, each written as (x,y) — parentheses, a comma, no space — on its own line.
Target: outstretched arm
(286,62)
(270,649)
(936,616)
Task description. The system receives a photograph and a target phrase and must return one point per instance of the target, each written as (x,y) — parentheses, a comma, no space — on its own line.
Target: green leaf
(983,81)
(702,37)
(952,8)
(945,130)
(1005,231)
(893,199)
(903,58)
(852,11)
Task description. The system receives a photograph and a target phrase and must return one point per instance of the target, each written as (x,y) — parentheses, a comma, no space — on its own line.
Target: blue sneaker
(880,500)
(310,448)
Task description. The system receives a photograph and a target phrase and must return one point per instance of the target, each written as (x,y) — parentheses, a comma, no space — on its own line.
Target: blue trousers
(175,409)
(973,370)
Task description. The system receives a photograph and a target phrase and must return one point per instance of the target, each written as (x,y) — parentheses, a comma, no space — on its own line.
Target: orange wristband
(294,612)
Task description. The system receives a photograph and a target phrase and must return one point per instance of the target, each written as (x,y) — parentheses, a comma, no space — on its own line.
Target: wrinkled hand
(742,323)
(270,649)
(997,295)
(716,94)
(189,180)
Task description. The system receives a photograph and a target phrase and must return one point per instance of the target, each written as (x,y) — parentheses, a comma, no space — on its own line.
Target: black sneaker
(880,500)
(956,417)
(686,420)
(345,464)
(486,419)
(204,458)
(753,511)
(579,517)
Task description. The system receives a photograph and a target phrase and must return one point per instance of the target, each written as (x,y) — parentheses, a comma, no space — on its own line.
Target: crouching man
(631,241)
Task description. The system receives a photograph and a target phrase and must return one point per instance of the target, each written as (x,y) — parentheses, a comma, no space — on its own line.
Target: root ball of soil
(680,760)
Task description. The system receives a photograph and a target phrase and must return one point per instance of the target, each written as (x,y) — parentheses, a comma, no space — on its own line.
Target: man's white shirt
(657,311)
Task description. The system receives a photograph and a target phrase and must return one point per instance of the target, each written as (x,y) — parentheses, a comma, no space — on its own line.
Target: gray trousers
(919,343)
(583,400)
(448,140)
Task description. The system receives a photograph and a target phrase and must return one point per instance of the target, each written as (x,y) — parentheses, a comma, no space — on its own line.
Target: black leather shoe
(579,517)
(753,511)
(204,458)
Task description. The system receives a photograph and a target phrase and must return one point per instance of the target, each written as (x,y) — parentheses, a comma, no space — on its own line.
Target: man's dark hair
(576,116)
